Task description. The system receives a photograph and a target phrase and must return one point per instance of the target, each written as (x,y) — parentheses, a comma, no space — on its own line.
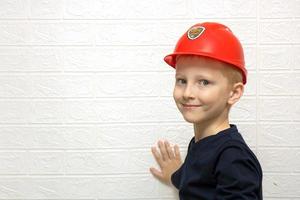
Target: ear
(236,93)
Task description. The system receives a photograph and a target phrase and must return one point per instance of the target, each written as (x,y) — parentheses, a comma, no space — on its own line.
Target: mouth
(190,106)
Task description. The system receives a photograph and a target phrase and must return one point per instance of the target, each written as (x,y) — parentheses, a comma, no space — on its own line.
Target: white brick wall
(84,94)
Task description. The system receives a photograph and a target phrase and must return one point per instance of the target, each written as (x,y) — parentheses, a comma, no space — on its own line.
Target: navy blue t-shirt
(219,167)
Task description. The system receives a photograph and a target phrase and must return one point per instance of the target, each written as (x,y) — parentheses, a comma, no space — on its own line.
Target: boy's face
(200,83)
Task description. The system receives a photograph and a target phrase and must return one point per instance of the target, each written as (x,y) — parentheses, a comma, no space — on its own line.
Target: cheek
(211,99)
(176,93)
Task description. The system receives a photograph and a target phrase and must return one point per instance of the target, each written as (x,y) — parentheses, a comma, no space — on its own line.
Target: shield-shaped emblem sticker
(195,32)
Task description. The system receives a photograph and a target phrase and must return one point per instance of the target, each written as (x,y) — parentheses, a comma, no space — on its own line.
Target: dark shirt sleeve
(176,176)
(238,176)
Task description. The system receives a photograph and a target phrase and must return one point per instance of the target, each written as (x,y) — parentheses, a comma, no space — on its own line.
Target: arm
(168,160)
(238,176)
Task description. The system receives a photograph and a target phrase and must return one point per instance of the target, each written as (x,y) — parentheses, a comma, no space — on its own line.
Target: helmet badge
(194,32)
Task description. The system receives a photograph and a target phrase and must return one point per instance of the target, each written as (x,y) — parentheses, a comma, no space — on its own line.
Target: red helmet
(213,40)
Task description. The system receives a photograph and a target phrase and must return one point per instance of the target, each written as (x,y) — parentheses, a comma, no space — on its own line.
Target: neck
(208,128)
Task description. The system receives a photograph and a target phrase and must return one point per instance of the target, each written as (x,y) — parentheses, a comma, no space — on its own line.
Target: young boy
(210,78)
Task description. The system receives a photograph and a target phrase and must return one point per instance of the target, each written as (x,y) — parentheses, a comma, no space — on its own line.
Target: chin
(192,119)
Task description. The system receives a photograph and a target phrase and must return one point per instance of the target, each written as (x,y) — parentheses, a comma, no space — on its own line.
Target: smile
(190,105)
(186,106)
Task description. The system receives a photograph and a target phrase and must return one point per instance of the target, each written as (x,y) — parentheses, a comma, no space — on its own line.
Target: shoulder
(237,146)
(235,150)
(237,161)
(238,172)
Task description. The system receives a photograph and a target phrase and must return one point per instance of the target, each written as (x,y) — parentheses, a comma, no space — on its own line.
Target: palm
(168,160)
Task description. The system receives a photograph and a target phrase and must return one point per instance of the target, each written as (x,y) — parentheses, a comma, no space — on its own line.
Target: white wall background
(84,94)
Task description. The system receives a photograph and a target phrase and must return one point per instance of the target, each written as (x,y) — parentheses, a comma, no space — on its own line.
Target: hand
(168,161)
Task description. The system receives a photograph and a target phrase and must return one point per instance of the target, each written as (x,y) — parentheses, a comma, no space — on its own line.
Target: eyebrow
(197,76)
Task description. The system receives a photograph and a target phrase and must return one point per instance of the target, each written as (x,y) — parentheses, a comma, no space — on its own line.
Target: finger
(157,156)
(169,150)
(156,173)
(163,151)
(177,152)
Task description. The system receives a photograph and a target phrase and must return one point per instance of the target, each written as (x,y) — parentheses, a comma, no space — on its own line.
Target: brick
(278,109)
(93,9)
(46,9)
(248,131)
(17,9)
(44,85)
(117,33)
(277,185)
(120,162)
(224,9)
(93,136)
(12,188)
(47,33)
(13,162)
(109,111)
(61,34)
(12,137)
(132,187)
(14,111)
(14,33)
(46,162)
(14,86)
(250,57)
(278,159)
(113,59)
(279,57)
(278,134)
(250,87)
(244,109)
(279,9)
(126,84)
(84,187)
(16,59)
(23,111)
(279,32)
(279,83)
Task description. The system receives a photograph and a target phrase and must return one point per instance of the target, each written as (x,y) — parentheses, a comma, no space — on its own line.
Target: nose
(188,92)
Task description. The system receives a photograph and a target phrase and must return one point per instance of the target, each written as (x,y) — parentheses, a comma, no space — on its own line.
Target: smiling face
(201,90)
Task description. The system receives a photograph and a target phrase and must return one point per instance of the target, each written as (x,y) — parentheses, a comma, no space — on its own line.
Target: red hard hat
(213,40)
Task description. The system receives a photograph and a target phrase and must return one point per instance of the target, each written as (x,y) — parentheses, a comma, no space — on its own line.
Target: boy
(210,78)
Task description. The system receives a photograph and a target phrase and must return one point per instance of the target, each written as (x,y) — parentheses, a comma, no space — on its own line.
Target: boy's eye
(204,82)
(178,80)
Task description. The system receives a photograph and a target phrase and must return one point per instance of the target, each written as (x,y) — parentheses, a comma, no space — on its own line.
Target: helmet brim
(170,59)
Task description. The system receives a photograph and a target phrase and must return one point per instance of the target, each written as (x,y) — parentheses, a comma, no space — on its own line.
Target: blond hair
(233,74)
